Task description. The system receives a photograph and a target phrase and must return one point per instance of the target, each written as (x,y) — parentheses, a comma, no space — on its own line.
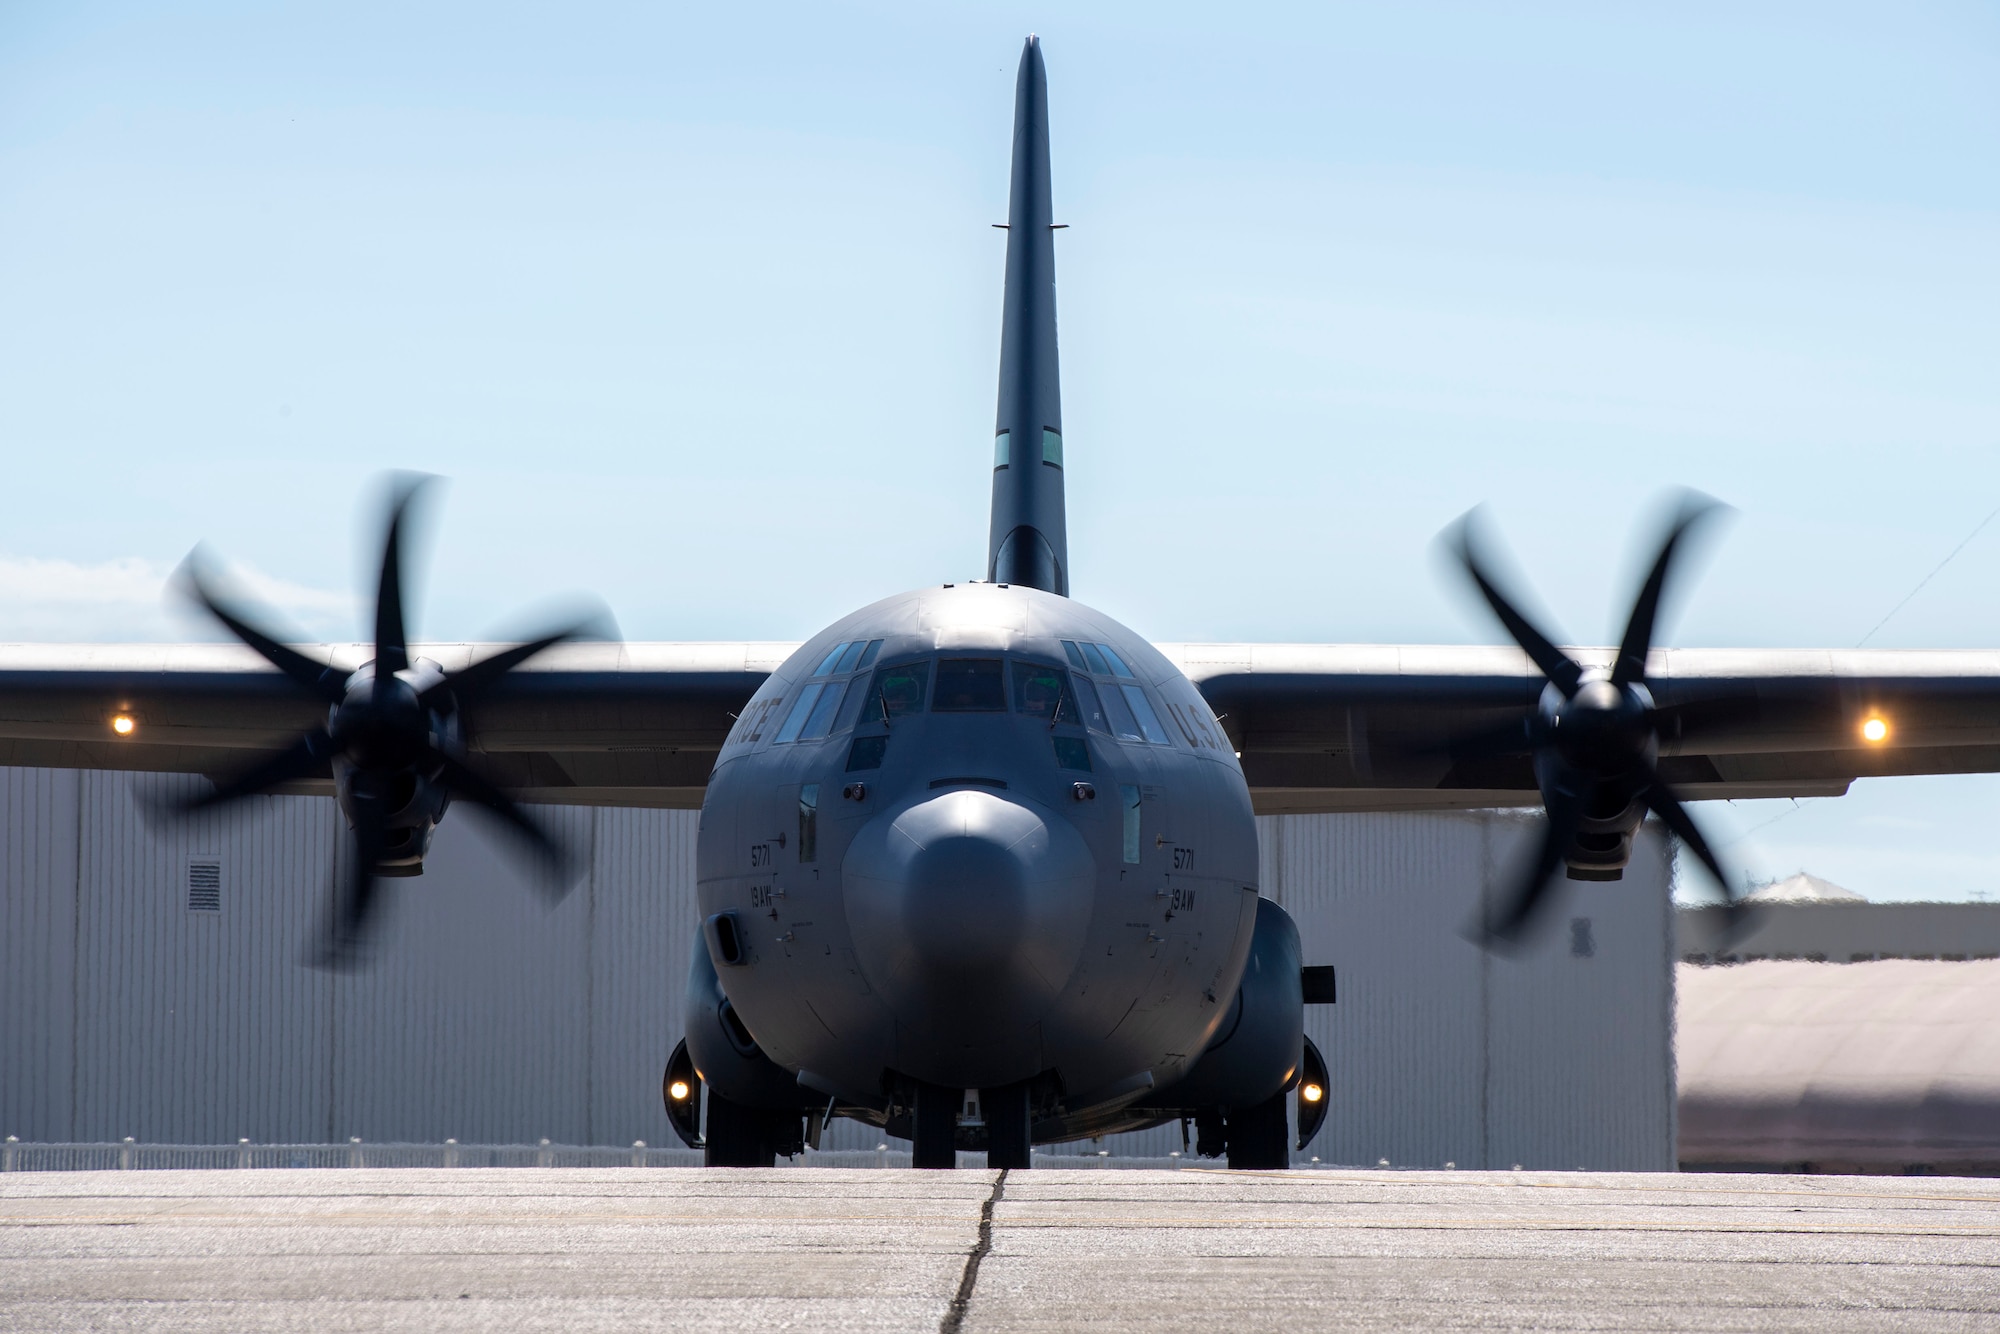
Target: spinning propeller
(1594,737)
(394,741)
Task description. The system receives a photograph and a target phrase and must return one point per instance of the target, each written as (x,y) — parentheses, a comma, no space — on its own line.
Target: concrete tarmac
(821,1249)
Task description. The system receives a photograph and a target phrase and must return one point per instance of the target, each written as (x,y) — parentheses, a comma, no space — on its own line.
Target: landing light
(123,724)
(1312,1092)
(1875,729)
(678,1090)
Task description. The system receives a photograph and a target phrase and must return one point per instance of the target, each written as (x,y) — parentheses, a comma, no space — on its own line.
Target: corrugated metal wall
(1560,1056)
(492,1017)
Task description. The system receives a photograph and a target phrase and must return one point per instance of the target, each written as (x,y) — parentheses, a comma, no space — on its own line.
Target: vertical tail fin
(1029,541)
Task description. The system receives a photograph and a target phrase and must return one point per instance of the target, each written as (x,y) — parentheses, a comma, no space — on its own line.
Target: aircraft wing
(1320,727)
(1340,727)
(583,724)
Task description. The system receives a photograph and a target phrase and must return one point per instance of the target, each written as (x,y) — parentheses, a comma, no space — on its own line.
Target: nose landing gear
(1006,1111)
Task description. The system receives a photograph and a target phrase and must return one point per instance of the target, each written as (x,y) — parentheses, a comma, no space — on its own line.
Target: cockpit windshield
(969,685)
(900,690)
(1041,691)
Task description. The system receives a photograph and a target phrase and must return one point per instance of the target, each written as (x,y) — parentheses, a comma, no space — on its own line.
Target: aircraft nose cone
(967,908)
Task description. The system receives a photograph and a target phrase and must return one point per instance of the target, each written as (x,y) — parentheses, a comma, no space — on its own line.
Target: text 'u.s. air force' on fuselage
(977,863)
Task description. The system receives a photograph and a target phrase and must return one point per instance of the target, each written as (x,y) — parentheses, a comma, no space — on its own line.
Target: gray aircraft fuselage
(975,848)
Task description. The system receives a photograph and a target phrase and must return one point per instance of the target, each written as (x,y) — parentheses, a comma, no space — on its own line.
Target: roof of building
(1804,888)
(1883,1064)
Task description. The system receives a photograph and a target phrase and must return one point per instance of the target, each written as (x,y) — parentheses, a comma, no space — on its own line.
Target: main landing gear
(736,1135)
(740,1136)
(1257,1136)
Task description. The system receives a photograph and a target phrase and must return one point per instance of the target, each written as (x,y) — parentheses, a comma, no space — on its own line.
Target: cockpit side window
(850,708)
(1043,692)
(1142,709)
(969,685)
(802,709)
(899,690)
(1093,710)
(820,721)
(1123,725)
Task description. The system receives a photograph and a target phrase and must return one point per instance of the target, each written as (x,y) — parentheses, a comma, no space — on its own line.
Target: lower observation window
(809,822)
(1072,752)
(866,752)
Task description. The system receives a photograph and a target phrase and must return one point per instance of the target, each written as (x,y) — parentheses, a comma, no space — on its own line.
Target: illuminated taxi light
(678,1090)
(123,724)
(1875,729)
(1312,1093)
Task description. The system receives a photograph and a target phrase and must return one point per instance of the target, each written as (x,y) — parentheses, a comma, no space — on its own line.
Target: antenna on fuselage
(1029,540)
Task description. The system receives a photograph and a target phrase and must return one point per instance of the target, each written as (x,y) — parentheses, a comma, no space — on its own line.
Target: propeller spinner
(394,742)
(1594,738)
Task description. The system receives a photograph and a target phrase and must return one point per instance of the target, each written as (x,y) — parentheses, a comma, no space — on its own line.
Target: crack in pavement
(954,1315)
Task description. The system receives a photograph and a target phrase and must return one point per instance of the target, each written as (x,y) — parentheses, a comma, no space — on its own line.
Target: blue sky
(699,311)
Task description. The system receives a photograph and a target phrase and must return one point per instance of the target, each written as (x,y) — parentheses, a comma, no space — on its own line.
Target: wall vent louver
(204,882)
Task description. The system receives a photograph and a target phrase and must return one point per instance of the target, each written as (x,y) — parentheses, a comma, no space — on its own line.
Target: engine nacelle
(380,769)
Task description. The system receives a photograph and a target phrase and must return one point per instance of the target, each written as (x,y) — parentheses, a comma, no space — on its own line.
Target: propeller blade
(1738,911)
(317,677)
(308,757)
(465,781)
(1555,664)
(1504,923)
(477,678)
(1638,640)
(392,645)
(1662,801)
(346,931)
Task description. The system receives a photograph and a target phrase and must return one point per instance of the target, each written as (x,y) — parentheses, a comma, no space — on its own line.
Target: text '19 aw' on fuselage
(977,864)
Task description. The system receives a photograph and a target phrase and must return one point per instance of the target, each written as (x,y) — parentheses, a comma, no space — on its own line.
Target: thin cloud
(127,599)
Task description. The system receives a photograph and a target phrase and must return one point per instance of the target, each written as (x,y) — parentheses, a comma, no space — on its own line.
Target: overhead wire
(1932,575)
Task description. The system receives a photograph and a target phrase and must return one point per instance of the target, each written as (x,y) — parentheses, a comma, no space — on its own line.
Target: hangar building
(151,986)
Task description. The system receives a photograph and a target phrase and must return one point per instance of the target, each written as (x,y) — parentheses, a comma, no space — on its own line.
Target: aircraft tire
(935,1141)
(1009,1142)
(737,1136)
(1257,1136)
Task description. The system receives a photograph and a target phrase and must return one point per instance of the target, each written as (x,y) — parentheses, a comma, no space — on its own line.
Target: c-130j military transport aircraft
(980,838)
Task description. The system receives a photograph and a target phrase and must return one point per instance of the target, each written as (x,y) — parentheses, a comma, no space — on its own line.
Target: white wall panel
(473,1022)
(646,921)
(491,1016)
(38,852)
(1581,1069)
(199,1027)
(1382,898)
(1439,1052)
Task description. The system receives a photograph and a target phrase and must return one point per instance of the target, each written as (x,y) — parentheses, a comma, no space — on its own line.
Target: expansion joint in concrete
(954,1315)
